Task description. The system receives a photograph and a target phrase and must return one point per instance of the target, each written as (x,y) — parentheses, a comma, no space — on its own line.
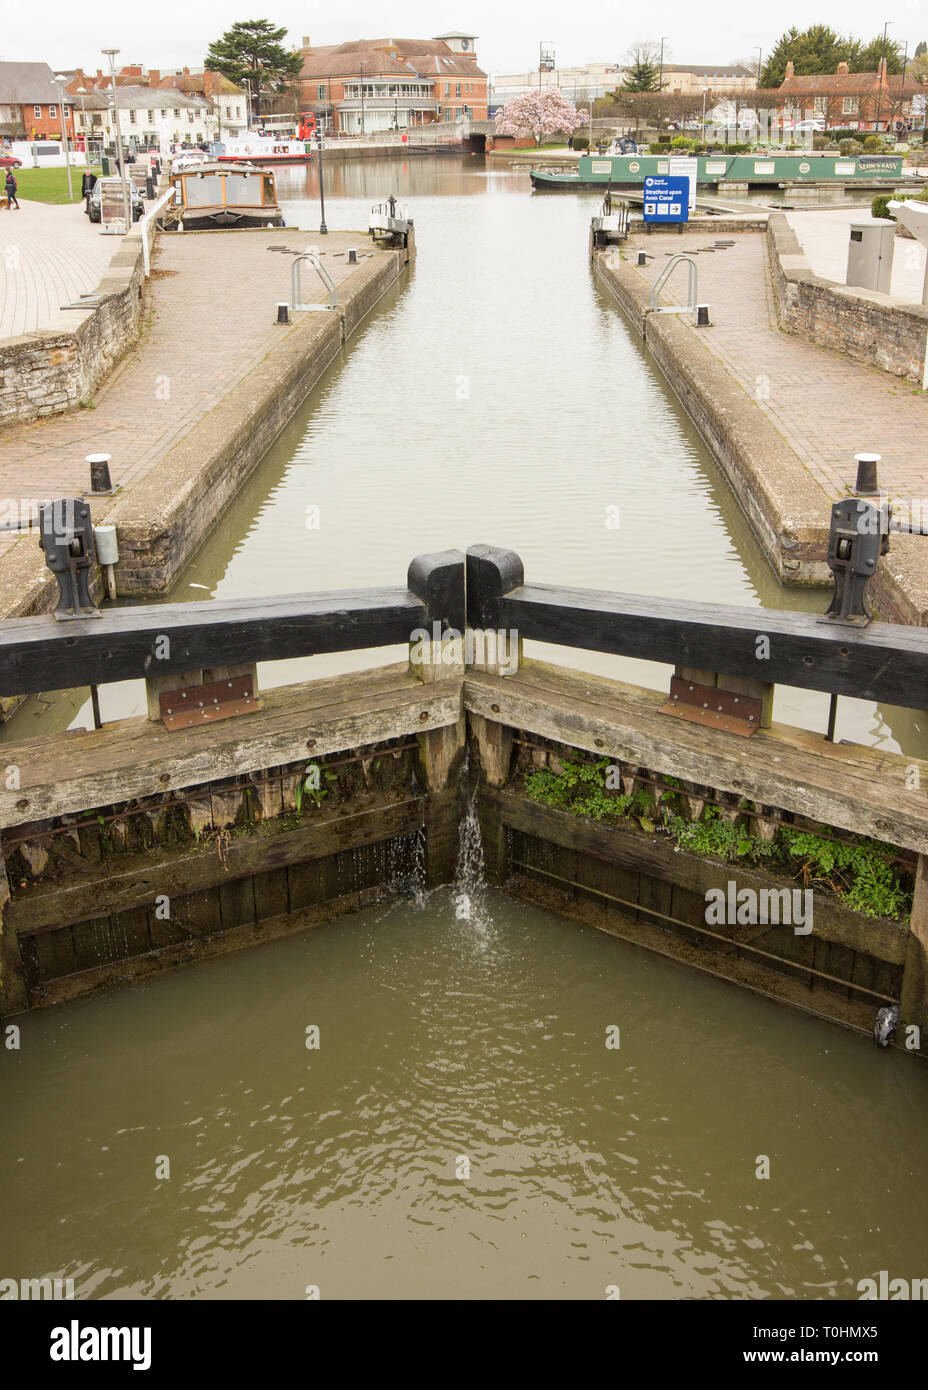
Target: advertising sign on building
(666,199)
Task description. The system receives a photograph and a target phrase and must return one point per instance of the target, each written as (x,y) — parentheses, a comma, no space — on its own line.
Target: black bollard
(642,258)
(100,472)
(352,255)
(867,484)
(702,316)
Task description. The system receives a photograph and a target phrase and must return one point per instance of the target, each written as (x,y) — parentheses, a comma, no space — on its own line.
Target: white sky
(168,33)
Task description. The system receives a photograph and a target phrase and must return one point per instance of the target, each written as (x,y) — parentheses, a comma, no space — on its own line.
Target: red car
(9,161)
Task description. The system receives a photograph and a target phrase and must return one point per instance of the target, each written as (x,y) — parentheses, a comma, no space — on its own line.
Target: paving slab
(50,254)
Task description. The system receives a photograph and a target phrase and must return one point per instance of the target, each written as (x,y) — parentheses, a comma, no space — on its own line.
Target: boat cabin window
(203,190)
(243,189)
(269,200)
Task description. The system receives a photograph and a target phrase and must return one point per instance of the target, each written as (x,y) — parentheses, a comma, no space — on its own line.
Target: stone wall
(57,367)
(862,324)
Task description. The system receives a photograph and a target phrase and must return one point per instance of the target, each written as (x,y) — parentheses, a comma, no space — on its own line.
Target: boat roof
(216,166)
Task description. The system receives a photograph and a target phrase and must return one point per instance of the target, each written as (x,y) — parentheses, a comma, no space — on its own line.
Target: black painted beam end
(491,573)
(438,580)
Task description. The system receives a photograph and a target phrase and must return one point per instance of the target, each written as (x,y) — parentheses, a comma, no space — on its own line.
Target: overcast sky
(168,33)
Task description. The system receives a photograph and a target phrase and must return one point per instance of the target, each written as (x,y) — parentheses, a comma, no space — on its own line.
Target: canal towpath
(211,324)
(824,407)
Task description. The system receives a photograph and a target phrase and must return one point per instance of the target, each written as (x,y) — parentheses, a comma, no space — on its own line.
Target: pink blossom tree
(540,114)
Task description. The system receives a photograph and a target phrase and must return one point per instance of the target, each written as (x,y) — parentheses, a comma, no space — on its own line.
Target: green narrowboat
(758,169)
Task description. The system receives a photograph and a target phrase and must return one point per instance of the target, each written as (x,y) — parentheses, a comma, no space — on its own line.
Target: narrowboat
(759,169)
(222,195)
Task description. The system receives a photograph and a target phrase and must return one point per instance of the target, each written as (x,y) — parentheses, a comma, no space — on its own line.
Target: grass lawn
(47,185)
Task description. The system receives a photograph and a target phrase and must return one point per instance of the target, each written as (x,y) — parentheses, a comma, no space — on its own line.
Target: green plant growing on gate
(860,872)
(310,786)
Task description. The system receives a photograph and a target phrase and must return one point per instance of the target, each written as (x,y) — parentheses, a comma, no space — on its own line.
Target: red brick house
(862,100)
(393,84)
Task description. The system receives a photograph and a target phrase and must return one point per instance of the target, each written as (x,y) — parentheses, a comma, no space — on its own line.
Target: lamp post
(111,54)
(362,67)
(323,229)
(660,86)
(879,89)
(82,92)
(760,54)
(60,80)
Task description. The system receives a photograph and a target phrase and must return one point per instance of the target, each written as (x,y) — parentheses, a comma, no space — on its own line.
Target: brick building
(393,84)
(863,100)
(30,107)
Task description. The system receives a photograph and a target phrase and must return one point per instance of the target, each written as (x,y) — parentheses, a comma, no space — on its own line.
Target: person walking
(11,198)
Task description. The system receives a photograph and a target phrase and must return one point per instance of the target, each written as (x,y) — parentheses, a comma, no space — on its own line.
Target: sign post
(666,199)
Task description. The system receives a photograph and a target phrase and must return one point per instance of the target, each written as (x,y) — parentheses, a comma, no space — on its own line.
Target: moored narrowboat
(222,195)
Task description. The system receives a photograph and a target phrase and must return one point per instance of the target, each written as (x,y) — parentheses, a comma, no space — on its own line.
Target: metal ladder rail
(660,282)
(296,282)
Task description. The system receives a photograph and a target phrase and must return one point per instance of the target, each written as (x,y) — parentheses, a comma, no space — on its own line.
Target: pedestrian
(570,142)
(11,198)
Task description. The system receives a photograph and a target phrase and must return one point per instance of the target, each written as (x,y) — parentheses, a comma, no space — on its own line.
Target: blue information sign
(666,199)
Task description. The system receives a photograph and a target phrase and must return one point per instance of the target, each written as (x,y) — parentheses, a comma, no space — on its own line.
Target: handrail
(660,282)
(884,662)
(296,281)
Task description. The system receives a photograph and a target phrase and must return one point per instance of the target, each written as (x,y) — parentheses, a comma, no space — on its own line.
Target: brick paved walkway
(825,406)
(48,256)
(213,320)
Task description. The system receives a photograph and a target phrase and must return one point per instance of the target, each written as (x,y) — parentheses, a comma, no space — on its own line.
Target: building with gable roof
(366,85)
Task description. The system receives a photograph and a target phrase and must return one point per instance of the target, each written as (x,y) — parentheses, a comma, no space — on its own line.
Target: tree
(818,50)
(643,74)
(540,114)
(251,52)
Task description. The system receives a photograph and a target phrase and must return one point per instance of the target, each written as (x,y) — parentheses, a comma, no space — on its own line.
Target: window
(457,89)
(151,117)
(37,112)
(132,116)
(820,106)
(238,113)
(164,115)
(447,89)
(67,111)
(320,91)
(176,114)
(52,111)
(850,106)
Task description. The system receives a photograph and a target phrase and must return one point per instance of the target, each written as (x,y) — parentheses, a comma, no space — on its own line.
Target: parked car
(9,161)
(803,127)
(93,204)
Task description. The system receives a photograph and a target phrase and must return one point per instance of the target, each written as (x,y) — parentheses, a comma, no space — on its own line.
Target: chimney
(842,70)
(186,72)
(306,42)
(790,71)
(154,77)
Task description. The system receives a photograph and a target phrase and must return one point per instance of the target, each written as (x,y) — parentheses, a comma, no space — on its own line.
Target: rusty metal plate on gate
(716,709)
(205,704)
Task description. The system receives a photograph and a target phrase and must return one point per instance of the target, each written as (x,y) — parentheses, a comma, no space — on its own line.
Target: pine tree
(252,51)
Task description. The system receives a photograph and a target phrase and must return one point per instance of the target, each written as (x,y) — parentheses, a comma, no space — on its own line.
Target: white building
(147,116)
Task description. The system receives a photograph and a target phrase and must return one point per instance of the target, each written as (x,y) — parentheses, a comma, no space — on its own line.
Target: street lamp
(362,67)
(323,229)
(111,54)
(879,90)
(660,87)
(82,92)
(59,83)
(760,54)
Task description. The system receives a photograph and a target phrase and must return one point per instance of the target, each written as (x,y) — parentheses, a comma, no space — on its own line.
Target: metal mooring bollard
(352,255)
(99,472)
(867,484)
(702,316)
(642,258)
(283,313)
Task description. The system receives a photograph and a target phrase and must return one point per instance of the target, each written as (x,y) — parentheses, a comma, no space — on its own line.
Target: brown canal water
(445,1043)
(463,1129)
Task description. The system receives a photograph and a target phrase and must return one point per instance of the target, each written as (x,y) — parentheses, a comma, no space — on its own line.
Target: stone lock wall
(55,368)
(862,324)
